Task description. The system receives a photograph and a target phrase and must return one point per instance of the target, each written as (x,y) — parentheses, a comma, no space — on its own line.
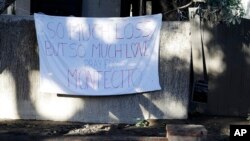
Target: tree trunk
(4,4)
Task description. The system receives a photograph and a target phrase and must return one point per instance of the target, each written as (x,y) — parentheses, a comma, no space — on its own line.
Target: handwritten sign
(98,56)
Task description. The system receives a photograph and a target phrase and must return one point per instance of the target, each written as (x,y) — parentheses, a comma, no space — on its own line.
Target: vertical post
(148,8)
(140,7)
(23,7)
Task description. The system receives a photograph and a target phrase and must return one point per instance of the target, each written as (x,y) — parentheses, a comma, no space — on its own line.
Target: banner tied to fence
(98,56)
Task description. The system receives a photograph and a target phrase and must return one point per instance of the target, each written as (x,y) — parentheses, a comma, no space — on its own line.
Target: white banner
(98,56)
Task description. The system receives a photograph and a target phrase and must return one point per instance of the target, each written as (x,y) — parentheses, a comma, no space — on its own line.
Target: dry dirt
(218,128)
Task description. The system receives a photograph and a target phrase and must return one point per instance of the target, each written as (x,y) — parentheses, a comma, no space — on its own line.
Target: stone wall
(19,81)
(101,8)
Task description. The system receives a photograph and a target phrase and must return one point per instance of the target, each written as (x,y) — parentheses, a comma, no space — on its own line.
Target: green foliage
(228,11)
(248,117)
(142,123)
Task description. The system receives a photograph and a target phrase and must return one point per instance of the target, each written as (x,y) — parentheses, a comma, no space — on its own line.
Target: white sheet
(98,56)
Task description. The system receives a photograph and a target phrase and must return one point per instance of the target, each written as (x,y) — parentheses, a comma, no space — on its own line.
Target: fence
(227,53)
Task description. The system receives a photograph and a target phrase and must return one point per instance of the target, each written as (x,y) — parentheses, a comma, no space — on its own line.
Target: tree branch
(178,8)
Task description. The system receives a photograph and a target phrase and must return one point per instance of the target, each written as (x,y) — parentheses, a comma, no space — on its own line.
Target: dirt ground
(218,128)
